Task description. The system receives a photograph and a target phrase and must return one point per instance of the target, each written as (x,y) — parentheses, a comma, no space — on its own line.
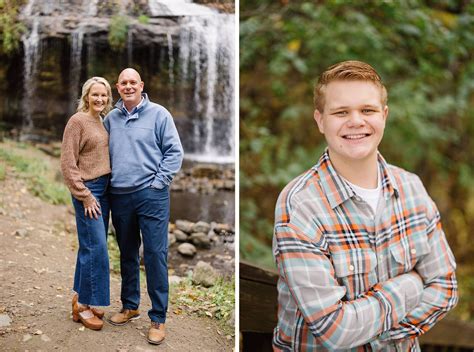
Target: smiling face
(130,88)
(97,99)
(352,120)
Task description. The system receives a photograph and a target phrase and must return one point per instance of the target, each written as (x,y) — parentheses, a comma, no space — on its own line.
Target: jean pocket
(94,183)
(162,189)
(356,270)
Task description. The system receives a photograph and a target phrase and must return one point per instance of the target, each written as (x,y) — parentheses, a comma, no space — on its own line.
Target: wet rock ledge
(205,178)
(199,235)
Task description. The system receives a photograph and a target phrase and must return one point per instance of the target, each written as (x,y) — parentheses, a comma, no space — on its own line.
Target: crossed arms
(404,306)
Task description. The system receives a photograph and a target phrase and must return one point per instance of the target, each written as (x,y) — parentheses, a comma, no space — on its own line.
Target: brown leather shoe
(156,333)
(99,313)
(85,315)
(88,319)
(75,307)
(124,317)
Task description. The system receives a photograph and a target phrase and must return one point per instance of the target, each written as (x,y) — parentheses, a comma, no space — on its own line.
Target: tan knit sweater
(84,154)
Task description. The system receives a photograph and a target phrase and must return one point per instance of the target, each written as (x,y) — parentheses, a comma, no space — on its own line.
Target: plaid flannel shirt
(349,281)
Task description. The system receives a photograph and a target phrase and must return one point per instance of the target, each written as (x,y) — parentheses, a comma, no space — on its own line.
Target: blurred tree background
(424,51)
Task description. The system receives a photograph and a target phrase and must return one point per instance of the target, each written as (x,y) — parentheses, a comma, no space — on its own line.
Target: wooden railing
(258,317)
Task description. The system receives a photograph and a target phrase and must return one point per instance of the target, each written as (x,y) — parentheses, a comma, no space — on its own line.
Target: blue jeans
(91,279)
(148,211)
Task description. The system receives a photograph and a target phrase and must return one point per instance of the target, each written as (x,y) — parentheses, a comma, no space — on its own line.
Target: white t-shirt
(369,195)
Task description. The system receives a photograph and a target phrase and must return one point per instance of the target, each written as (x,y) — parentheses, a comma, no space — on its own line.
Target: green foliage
(143,19)
(10,27)
(424,53)
(38,179)
(2,172)
(255,250)
(216,302)
(51,192)
(464,309)
(118,32)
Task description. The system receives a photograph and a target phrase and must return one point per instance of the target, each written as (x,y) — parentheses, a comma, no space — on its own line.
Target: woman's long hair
(83,105)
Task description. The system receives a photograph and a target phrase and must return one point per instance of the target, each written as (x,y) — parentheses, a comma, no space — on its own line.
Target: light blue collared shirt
(134,110)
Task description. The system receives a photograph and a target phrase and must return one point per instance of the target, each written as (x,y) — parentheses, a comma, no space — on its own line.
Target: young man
(363,261)
(145,154)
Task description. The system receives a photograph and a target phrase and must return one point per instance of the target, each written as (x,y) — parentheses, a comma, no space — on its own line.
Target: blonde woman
(85,166)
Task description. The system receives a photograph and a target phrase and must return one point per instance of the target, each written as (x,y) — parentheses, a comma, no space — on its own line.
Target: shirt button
(413,251)
(351,267)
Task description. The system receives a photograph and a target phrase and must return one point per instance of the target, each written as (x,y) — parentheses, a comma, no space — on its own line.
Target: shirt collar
(135,109)
(337,190)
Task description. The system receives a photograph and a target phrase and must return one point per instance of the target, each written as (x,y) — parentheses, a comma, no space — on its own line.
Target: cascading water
(185,54)
(27,10)
(171,65)
(211,82)
(75,70)
(177,8)
(207,54)
(31,45)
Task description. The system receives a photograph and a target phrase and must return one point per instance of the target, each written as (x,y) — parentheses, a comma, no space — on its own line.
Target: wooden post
(258,299)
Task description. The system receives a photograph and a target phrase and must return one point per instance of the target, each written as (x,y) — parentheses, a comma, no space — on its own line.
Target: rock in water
(200,239)
(222,229)
(184,225)
(204,274)
(187,249)
(180,235)
(201,226)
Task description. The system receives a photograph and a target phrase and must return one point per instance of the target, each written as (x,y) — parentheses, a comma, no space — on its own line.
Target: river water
(218,206)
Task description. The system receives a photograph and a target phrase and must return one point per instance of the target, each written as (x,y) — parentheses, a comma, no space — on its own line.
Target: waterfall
(171,67)
(206,52)
(177,8)
(75,70)
(186,51)
(28,9)
(227,59)
(211,81)
(190,55)
(31,45)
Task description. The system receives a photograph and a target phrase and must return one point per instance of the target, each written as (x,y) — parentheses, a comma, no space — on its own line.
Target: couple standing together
(124,162)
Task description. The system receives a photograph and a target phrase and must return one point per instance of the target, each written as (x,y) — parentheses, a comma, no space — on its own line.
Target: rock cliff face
(184,52)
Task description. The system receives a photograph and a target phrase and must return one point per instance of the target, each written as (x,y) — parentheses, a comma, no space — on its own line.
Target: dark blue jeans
(91,279)
(148,211)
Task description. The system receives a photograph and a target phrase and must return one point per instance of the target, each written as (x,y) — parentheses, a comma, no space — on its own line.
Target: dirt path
(37,258)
